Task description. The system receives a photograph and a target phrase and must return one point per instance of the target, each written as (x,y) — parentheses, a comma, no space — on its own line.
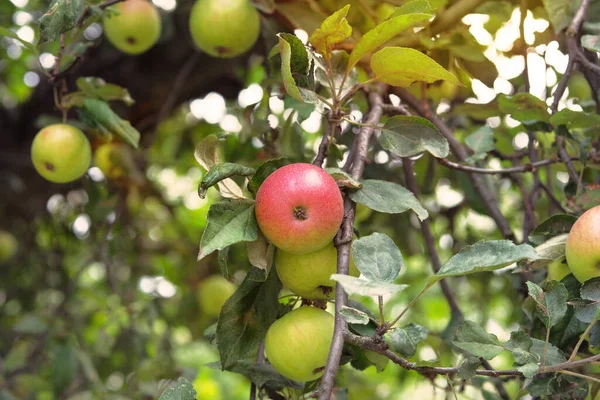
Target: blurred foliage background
(99,280)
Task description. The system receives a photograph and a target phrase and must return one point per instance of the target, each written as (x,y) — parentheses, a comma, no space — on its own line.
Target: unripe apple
(297,345)
(213,293)
(308,275)
(61,153)
(299,208)
(583,246)
(579,87)
(8,246)
(224,28)
(112,159)
(136,28)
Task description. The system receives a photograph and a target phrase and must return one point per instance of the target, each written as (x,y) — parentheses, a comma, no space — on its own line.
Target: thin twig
(495,171)
(581,339)
(342,243)
(325,143)
(460,153)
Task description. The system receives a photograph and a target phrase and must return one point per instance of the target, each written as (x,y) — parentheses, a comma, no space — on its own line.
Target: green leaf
(468,368)
(575,119)
(408,136)
(558,11)
(65,365)
(363,287)
(8,33)
(31,324)
(263,171)
(591,42)
(220,172)
(481,141)
(401,66)
(98,114)
(413,7)
(551,304)
(529,370)
(334,29)
(229,222)
(377,257)
(591,289)
(554,354)
(343,179)
(484,255)
(388,197)
(520,346)
(61,17)
(261,253)
(296,68)
(553,226)
(207,156)
(96,88)
(405,340)
(246,316)
(222,257)
(474,339)
(354,316)
(381,34)
(524,107)
(182,390)
(260,374)
(552,249)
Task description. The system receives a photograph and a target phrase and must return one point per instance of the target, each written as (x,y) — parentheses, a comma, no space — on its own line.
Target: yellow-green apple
(308,275)
(8,245)
(61,153)
(299,208)
(224,28)
(297,344)
(212,294)
(113,160)
(583,246)
(136,28)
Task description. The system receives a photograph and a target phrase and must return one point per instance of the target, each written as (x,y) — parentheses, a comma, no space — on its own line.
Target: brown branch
(325,142)
(355,167)
(491,171)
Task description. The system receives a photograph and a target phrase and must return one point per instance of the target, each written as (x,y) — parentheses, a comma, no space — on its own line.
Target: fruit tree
(296,199)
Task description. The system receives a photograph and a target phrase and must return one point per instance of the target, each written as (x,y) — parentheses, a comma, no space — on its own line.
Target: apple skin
(307,275)
(111,158)
(297,345)
(224,28)
(8,246)
(136,29)
(213,293)
(558,269)
(299,208)
(61,153)
(583,246)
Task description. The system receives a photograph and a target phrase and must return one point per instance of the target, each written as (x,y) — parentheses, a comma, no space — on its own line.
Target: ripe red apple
(224,28)
(297,344)
(299,208)
(583,246)
(136,28)
(308,275)
(61,153)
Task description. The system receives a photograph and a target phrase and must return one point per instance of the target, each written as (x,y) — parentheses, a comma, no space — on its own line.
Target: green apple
(379,360)
(213,293)
(8,246)
(583,246)
(113,160)
(61,153)
(297,345)
(137,27)
(224,28)
(299,208)
(308,275)
(579,86)
(558,269)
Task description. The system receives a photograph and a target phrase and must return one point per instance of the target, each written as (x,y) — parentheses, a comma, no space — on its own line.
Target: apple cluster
(299,209)
(219,28)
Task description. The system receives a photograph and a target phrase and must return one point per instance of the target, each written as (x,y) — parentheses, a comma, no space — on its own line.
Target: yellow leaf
(333,30)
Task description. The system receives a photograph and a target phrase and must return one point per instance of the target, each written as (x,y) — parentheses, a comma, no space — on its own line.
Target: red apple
(583,246)
(299,208)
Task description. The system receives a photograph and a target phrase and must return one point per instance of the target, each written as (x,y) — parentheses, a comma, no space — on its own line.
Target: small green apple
(307,275)
(224,28)
(583,246)
(213,293)
(136,28)
(558,269)
(112,159)
(8,246)
(579,86)
(297,345)
(61,153)
(299,208)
